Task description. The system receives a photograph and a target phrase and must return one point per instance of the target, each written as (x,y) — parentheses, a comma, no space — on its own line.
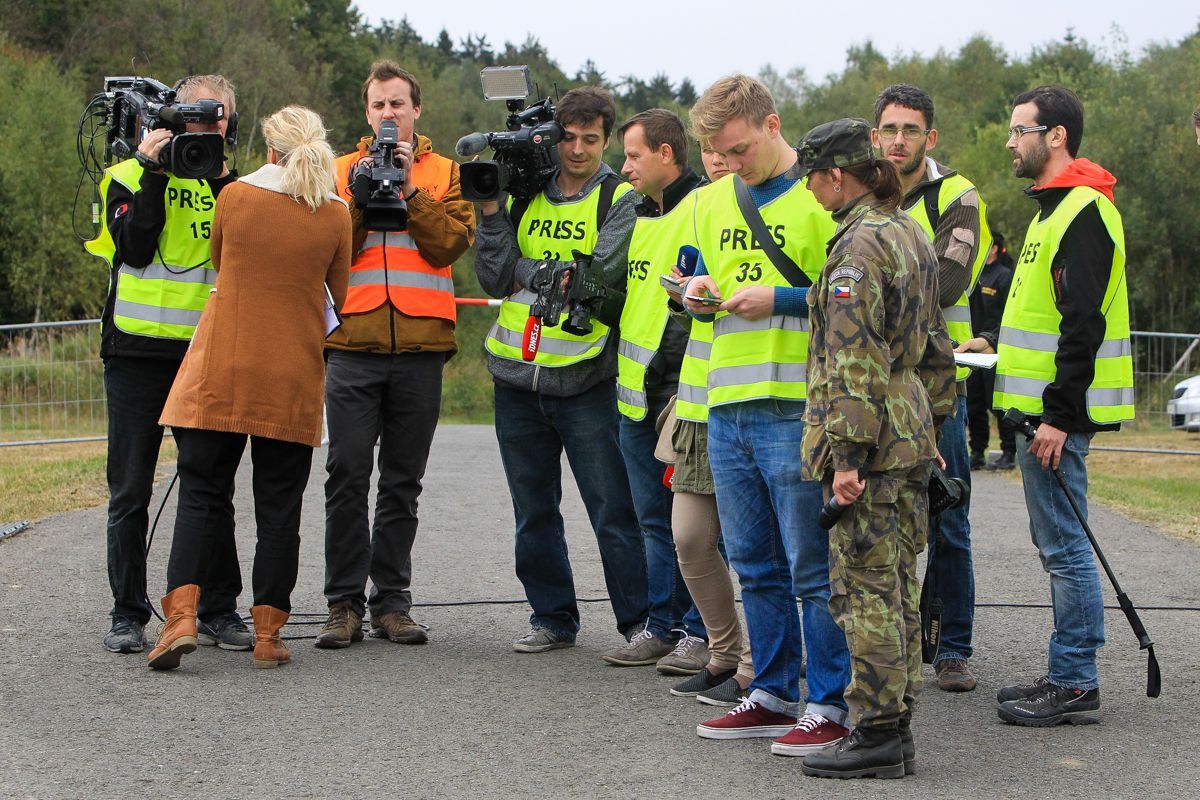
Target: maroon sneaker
(748,721)
(812,733)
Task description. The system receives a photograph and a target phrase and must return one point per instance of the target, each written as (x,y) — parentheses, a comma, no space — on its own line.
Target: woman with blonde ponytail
(255,371)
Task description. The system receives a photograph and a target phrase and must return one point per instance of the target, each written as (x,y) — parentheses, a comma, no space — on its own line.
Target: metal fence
(52,382)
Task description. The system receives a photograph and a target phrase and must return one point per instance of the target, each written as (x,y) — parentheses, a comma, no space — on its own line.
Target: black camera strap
(781,260)
(608,188)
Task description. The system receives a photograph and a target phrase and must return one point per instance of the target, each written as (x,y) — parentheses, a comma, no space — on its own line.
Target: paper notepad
(333,320)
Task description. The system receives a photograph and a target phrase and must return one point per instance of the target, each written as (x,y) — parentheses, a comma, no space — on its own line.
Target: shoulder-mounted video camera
(378,187)
(524,154)
(135,106)
(570,288)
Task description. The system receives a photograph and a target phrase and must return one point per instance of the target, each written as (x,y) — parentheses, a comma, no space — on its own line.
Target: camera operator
(565,397)
(156,242)
(384,373)
(881,382)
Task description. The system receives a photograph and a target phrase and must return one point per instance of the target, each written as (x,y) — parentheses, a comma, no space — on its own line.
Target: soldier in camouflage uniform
(881,380)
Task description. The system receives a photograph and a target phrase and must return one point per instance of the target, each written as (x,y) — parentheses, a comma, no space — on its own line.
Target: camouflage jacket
(880,365)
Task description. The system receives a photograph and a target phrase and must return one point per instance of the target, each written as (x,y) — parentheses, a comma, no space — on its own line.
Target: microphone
(471,144)
(687,259)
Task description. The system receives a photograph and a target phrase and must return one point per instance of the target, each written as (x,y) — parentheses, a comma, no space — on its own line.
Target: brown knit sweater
(255,364)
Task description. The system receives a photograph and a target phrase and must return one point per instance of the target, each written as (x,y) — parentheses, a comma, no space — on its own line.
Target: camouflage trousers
(875,596)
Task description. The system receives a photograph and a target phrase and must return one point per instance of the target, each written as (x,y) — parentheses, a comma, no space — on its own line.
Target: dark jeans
(951,571)
(980,387)
(533,431)
(136,389)
(208,463)
(395,399)
(671,607)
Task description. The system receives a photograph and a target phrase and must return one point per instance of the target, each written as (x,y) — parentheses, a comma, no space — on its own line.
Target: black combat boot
(907,746)
(865,753)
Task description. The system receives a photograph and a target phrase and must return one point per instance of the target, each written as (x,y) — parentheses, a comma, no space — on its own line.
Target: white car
(1183,408)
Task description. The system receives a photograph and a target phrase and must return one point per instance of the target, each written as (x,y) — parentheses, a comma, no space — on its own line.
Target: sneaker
(343,627)
(1005,461)
(1053,706)
(539,640)
(812,733)
(729,693)
(226,631)
(865,753)
(747,721)
(978,460)
(703,681)
(954,675)
(643,648)
(690,657)
(398,626)
(1022,691)
(125,636)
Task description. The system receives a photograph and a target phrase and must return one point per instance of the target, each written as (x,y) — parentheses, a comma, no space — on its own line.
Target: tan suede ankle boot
(269,650)
(178,635)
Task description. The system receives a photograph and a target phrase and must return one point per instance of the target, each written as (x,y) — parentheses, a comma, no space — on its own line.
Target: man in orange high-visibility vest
(384,375)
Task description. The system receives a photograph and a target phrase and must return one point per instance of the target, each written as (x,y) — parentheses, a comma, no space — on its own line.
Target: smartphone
(708,301)
(670,285)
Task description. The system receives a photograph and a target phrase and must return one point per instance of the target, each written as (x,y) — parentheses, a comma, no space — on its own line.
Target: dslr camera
(524,153)
(378,187)
(136,106)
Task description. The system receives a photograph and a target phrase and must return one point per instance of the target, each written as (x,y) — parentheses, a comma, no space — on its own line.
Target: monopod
(1017,420)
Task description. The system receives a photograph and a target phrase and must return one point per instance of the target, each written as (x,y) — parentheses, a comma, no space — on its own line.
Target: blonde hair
(728,99)
(298,136)
(189,89)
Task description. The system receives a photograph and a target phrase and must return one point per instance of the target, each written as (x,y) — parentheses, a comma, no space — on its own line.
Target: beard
(1031,163)
(915,162)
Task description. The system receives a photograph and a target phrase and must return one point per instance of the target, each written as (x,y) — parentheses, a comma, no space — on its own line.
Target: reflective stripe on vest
(163,300)
(652,252)
(1031,327)
(551,231)
(389,268)
(958,316)
(692,400)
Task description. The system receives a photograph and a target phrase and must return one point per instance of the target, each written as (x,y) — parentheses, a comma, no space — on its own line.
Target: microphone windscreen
(687,259)
(471,144)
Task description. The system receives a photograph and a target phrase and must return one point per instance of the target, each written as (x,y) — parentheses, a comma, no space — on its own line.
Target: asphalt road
(464,716)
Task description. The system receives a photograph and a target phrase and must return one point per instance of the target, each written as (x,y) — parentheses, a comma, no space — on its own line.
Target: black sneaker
(728,694)
(226,631)
(125,636)
(865,753)
(1053,706)
(1005,461)
(702,681)
(978,460)
(1023,690)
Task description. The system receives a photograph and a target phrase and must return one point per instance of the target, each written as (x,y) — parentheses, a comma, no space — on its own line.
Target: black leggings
(208,463)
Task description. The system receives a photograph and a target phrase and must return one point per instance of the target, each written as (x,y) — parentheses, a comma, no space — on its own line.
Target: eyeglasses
(911,134)
(1017,131)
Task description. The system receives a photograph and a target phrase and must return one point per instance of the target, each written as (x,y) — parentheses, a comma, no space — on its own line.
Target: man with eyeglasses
(1065,362)
(948,207)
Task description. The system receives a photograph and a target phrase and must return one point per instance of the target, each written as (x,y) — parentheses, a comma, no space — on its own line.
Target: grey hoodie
(499,264)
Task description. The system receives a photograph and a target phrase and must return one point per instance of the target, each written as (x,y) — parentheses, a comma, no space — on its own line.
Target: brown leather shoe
(269,649)
(342,627)
(399,627)
(178,634)
(954,675)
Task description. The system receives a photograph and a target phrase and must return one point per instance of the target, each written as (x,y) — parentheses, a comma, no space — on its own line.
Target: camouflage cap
(840,143)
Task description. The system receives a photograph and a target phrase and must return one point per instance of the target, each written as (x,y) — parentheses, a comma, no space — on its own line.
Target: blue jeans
(671,606)
(951,573)
(769,523)
(1066,554)
(533,430)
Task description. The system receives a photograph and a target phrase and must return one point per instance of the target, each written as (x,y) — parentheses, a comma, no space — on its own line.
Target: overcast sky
(693,39)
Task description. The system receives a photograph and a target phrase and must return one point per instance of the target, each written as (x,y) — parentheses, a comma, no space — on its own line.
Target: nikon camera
(136,106)
(524,154)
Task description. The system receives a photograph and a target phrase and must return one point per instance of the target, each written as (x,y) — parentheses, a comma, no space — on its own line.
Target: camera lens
(197,155)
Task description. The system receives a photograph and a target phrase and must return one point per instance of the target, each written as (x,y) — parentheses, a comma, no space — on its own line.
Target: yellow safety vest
(652,252)
(1030,328)
(692,400)
(551,231)
(164,299)
(765,358)
(958,316)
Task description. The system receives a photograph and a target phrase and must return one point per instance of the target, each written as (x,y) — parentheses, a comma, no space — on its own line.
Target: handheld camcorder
(524,154)
(945,493)
(569,288)
(136,106)
(378,187)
